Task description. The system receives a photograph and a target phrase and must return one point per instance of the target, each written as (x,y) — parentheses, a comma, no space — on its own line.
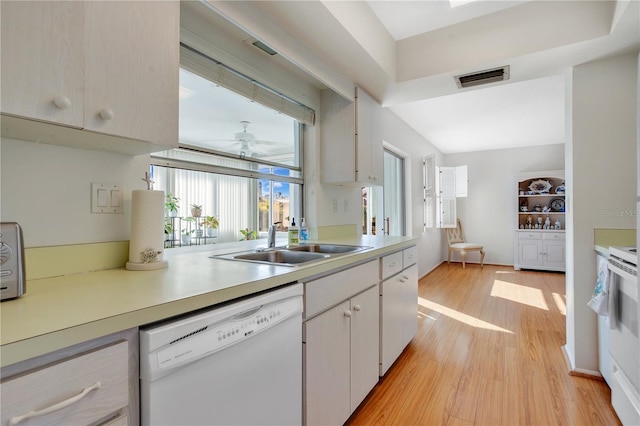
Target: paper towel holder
(147,217)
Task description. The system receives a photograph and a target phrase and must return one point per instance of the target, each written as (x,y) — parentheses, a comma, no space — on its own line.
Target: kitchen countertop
(61,311)
(604,238)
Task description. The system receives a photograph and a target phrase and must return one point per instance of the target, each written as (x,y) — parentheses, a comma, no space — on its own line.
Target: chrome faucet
(271,236)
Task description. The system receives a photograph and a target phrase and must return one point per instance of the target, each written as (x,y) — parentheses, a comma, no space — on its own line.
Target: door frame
(408,228)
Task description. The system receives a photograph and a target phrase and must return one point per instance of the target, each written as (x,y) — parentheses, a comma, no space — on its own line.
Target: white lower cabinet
(398,310)
(340,346)
(91,383)
(540,250)
(87,389)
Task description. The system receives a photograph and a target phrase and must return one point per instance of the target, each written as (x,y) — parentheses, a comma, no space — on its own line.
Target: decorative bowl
(540,186)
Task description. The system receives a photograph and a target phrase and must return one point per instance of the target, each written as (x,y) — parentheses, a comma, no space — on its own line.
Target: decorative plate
(540,186)
(557,205)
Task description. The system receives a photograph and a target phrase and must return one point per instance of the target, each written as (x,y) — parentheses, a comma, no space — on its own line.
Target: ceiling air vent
(266,49)
(482,77)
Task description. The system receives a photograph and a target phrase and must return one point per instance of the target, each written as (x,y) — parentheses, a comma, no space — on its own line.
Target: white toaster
(12,271)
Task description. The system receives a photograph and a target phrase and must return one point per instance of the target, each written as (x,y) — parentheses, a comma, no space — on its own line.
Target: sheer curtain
(231,199)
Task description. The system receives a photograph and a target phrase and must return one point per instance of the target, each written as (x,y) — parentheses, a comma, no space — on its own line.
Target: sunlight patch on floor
(423,315)
(562,307)
(459,316)
(519,293)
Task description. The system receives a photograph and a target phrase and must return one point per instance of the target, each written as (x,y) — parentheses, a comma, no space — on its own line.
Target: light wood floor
(488,352)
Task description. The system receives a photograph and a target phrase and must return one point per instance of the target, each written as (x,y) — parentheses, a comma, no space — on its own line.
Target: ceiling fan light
(244,136)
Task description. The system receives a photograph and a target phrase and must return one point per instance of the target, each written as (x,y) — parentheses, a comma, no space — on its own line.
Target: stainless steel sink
(292,256)
(327,248)
(281,256)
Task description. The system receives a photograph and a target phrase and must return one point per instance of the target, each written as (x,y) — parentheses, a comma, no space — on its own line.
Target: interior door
(393,194)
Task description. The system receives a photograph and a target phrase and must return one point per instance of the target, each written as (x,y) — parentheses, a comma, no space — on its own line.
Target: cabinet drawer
(553,236)
(391,264)
(409,256)
(529,236)
(330,290)
(89,387)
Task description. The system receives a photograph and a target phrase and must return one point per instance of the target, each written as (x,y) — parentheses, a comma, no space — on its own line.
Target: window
(237,158)
(442,185)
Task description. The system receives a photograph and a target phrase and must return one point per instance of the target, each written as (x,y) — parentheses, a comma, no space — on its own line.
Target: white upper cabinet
(132,65)
(42,60)
(109,68)
(351,140)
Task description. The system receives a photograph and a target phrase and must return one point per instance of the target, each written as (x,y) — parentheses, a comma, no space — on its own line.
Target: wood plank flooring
(488,352)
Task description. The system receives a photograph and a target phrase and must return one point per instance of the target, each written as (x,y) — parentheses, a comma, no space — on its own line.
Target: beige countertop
(604,238)
(61,311)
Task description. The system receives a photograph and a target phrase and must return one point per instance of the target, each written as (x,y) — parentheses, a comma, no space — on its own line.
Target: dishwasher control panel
(233,330)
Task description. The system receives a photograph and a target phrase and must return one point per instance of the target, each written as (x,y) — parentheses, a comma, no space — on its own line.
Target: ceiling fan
(246,145)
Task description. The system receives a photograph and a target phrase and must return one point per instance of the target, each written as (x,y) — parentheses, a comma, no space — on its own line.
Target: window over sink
(237,159)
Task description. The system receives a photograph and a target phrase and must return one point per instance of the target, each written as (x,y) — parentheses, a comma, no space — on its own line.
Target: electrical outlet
(106,198)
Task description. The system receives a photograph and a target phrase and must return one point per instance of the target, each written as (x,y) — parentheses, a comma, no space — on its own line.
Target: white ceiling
(405,54)
(405,19)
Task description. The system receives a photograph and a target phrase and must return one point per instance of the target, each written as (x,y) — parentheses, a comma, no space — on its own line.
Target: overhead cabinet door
(131,79)
(42,60)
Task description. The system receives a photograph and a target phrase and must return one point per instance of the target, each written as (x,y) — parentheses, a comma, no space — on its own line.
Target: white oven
(625,345)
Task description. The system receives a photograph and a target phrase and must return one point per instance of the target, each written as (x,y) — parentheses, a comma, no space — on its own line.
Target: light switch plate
(106,198)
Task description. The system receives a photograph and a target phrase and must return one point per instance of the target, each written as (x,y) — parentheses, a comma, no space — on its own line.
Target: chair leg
(449,258)
(482,258)
(464,257)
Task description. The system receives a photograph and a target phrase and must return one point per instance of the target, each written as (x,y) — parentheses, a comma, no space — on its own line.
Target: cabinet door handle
(347,314)
(106,114)
(357,308)
(55,407)
(393,264)
(62,102)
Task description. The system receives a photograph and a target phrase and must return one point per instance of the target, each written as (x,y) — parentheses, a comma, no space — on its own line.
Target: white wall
(47,190)
(397,133)
(601,184)
(488,212)
(319,197)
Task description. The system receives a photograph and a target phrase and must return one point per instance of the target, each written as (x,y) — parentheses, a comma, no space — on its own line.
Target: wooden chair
(455,236)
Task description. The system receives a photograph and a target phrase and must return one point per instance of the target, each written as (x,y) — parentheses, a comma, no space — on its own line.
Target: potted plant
(171,205)
(168,229)
(248,234)
(186,237)
(188,231)
(211,224)
(196,210)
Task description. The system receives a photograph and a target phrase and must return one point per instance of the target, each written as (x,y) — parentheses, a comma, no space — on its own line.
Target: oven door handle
(612,301)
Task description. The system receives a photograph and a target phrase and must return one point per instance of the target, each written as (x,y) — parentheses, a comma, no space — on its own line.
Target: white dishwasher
(237,364)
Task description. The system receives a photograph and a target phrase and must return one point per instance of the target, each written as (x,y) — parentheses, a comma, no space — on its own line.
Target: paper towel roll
(146,246)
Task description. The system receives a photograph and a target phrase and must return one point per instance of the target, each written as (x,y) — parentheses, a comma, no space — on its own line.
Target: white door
(42,60)
(327,364)
(392,306)
(530,252)
(365,338)
(555,253)
(410,322)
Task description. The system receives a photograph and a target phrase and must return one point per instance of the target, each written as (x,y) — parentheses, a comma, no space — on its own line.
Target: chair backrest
(455,235)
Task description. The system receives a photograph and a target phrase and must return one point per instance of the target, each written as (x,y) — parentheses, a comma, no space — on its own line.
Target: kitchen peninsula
(61,311)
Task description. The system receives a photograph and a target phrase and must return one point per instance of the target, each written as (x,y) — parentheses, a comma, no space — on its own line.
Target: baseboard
(580,372)
(432,269)
(587,374)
